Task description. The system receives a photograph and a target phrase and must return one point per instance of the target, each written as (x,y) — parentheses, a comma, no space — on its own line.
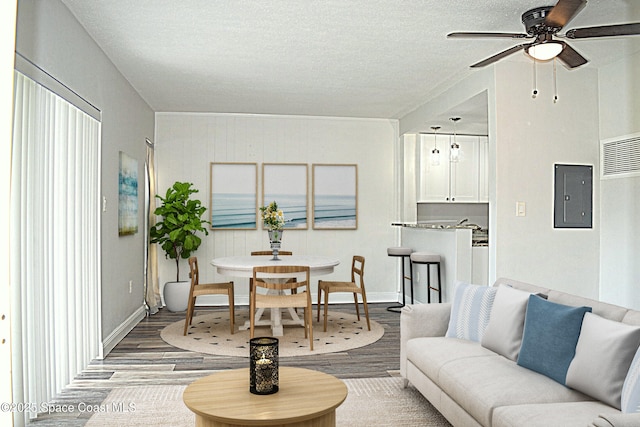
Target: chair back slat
(288,275)
(357,269)
(194,273)
(256,253)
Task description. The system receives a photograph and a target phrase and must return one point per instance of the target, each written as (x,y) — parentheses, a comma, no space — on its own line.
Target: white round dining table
(242,266)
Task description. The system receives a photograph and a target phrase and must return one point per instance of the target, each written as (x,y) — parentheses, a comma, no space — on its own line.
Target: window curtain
(55,242)
(152,287)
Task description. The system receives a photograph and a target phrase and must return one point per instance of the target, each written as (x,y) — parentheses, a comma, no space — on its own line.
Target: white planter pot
(176,295)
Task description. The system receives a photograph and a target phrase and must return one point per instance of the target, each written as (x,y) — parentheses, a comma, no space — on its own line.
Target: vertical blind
(55,242)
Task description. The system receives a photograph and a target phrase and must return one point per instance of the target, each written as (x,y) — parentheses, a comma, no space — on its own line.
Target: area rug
(370,402)
(210,334)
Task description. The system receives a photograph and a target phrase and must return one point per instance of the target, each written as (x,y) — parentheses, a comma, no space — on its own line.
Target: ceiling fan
(543,24)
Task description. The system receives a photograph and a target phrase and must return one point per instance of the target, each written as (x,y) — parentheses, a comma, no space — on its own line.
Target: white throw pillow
(470,311)
(631,387)
(603,356)
(504,331)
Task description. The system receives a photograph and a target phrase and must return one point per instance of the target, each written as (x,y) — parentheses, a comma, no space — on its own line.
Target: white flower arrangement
(272,217)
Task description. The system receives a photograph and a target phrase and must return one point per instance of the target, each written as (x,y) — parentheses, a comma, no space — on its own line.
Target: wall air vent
(620,157)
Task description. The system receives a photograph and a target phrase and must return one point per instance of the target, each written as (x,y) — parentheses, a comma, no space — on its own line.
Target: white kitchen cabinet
(451,181)
(433,182)
(464,174)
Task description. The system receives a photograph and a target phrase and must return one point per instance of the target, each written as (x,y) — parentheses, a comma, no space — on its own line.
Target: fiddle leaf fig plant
(181,220)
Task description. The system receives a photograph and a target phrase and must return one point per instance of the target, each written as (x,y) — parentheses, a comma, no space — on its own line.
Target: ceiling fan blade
(571,58)
(563,12)
(472,35)
(604,31)
(499,56)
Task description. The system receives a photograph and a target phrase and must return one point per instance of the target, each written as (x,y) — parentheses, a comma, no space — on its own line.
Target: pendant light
(455,148)
(435,153)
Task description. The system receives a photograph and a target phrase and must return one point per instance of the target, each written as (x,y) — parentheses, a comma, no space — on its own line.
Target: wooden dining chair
(276,279)
(258,253)
(198,289)
(354,287)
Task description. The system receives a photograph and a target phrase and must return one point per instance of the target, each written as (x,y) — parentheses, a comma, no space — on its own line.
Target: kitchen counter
(437,225)
(480,236)
(463,251)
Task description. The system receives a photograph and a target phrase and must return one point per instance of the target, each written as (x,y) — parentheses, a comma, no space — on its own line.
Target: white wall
(49,36)
(620,222)
(186,144)
(526,137)
(531,136)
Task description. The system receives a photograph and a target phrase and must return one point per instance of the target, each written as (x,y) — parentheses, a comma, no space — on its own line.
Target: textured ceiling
(350,58)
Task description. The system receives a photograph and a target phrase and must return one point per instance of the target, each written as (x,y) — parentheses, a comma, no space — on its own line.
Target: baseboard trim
(122,330)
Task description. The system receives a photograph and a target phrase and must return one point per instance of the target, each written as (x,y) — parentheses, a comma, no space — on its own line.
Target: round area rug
(210,334)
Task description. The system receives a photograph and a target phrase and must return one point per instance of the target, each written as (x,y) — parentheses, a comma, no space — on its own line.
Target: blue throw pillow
(550,336)
(470,311)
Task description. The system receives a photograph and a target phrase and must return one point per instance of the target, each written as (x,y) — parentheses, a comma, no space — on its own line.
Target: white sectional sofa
(475,382)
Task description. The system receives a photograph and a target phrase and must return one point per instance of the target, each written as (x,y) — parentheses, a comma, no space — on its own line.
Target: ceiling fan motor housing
(534,21)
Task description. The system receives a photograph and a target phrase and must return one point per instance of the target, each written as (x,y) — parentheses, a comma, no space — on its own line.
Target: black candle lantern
(263,365)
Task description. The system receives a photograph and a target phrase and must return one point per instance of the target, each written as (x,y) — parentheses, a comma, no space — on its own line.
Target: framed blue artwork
(127,195)
(234,202)
(335,197)
(286,184)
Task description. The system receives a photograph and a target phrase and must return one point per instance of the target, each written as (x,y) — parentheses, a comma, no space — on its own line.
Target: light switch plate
(521,209)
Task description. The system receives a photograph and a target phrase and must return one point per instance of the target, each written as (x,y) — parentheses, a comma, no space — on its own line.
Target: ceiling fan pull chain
(555,83)
(535,81)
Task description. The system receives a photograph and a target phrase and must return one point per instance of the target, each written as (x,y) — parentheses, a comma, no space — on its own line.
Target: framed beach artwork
(127,195)
(286,184)
(234,203)
(335,197)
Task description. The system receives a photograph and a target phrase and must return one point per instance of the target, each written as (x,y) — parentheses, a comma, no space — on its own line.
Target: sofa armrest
(616,420)
(421,320)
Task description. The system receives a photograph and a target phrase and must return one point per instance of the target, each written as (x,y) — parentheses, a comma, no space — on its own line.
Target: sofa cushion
(630,400)
(430,354)
(470,311)
(603,355)
(481,384)
(632,317)
(504,331)
(565,414)
(550,336)
(616,420)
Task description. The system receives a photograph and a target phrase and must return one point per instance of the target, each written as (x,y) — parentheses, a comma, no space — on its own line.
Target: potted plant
(176,233)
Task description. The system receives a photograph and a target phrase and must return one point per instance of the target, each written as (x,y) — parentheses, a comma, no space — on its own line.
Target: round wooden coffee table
(305,398)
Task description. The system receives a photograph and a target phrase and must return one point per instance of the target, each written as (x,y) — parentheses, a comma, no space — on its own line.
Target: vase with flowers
(273,221)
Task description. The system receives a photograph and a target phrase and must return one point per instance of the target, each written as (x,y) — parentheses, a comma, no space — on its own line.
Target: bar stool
(429,259)
(402,253)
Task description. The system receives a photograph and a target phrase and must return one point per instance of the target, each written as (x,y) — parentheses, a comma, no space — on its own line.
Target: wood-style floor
(143,358)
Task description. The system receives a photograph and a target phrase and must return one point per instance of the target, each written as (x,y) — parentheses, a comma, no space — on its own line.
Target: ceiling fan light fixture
(545,51)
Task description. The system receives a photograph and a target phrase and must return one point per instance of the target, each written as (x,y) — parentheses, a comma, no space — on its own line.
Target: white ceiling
(348,58)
